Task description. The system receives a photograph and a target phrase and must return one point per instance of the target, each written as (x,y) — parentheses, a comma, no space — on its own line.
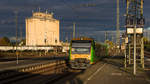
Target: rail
(19,75)
(147,60)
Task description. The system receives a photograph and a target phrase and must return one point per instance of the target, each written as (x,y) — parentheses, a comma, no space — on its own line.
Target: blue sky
(99,17)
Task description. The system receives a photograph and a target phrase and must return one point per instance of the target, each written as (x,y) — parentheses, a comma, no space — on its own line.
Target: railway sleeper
(26,75)
(10,74)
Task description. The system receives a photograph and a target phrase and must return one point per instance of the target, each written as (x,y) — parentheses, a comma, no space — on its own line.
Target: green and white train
(82,53)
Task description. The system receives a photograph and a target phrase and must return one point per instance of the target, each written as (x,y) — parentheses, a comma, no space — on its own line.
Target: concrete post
(134,70)
(129,54)
(142,53)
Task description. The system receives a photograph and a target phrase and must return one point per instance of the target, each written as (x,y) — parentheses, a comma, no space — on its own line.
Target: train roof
(83,38)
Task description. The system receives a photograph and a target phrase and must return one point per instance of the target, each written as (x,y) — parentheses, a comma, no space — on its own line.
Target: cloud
(90,15)
(14,39)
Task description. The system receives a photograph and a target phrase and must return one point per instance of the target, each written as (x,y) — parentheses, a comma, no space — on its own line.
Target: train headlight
(89,56)
(72,56)
(73,49)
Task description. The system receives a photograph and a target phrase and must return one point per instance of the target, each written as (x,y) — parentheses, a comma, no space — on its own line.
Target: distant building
(42,29)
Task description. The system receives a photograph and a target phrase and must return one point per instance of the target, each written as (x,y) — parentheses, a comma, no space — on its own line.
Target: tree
(22,42)
(4,41)
(145,40)
(110,43)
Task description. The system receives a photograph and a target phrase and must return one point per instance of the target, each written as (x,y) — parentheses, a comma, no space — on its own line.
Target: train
(82,53)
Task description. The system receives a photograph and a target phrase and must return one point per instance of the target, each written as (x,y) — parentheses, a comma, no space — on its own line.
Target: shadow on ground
(117,61)
(71,79)
(16,77)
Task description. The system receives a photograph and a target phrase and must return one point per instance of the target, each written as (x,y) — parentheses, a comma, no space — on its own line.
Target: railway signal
(134,33)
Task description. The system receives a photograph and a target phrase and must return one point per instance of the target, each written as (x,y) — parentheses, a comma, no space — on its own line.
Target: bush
(4,41)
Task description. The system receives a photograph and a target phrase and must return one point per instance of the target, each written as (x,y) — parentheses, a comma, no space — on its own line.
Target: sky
(92,17)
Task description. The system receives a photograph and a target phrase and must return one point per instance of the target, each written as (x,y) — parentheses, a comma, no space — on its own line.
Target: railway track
(147,60)
(37,74)
(147,54)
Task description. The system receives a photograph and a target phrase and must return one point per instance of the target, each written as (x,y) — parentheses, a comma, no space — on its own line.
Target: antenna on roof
(46,11)
(39,9)
(32,11)
(52,13)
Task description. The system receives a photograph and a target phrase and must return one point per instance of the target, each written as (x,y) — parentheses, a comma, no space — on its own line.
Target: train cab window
(80,50)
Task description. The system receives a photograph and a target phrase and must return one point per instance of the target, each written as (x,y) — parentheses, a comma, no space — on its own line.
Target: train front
(80,54)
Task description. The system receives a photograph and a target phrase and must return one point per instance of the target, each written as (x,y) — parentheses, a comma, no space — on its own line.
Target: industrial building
(42,30)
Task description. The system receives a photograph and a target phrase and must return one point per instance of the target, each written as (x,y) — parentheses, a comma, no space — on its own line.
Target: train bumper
(80,63)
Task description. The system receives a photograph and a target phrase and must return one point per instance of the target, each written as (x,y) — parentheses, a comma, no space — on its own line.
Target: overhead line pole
(118,25)
(16,19)
(21,33)
(135,23)
(75,11)
(74,29)
(134,50)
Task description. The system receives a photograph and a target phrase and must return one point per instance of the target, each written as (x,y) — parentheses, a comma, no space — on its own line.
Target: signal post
(134,33)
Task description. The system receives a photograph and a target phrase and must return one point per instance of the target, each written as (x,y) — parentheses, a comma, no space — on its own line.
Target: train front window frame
(81,47)
(80,50)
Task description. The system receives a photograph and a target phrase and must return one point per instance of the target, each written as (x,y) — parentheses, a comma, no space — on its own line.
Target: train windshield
(81,48)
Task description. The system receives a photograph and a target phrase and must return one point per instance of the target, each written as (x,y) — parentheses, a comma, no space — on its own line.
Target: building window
(45,41)
(55,40)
